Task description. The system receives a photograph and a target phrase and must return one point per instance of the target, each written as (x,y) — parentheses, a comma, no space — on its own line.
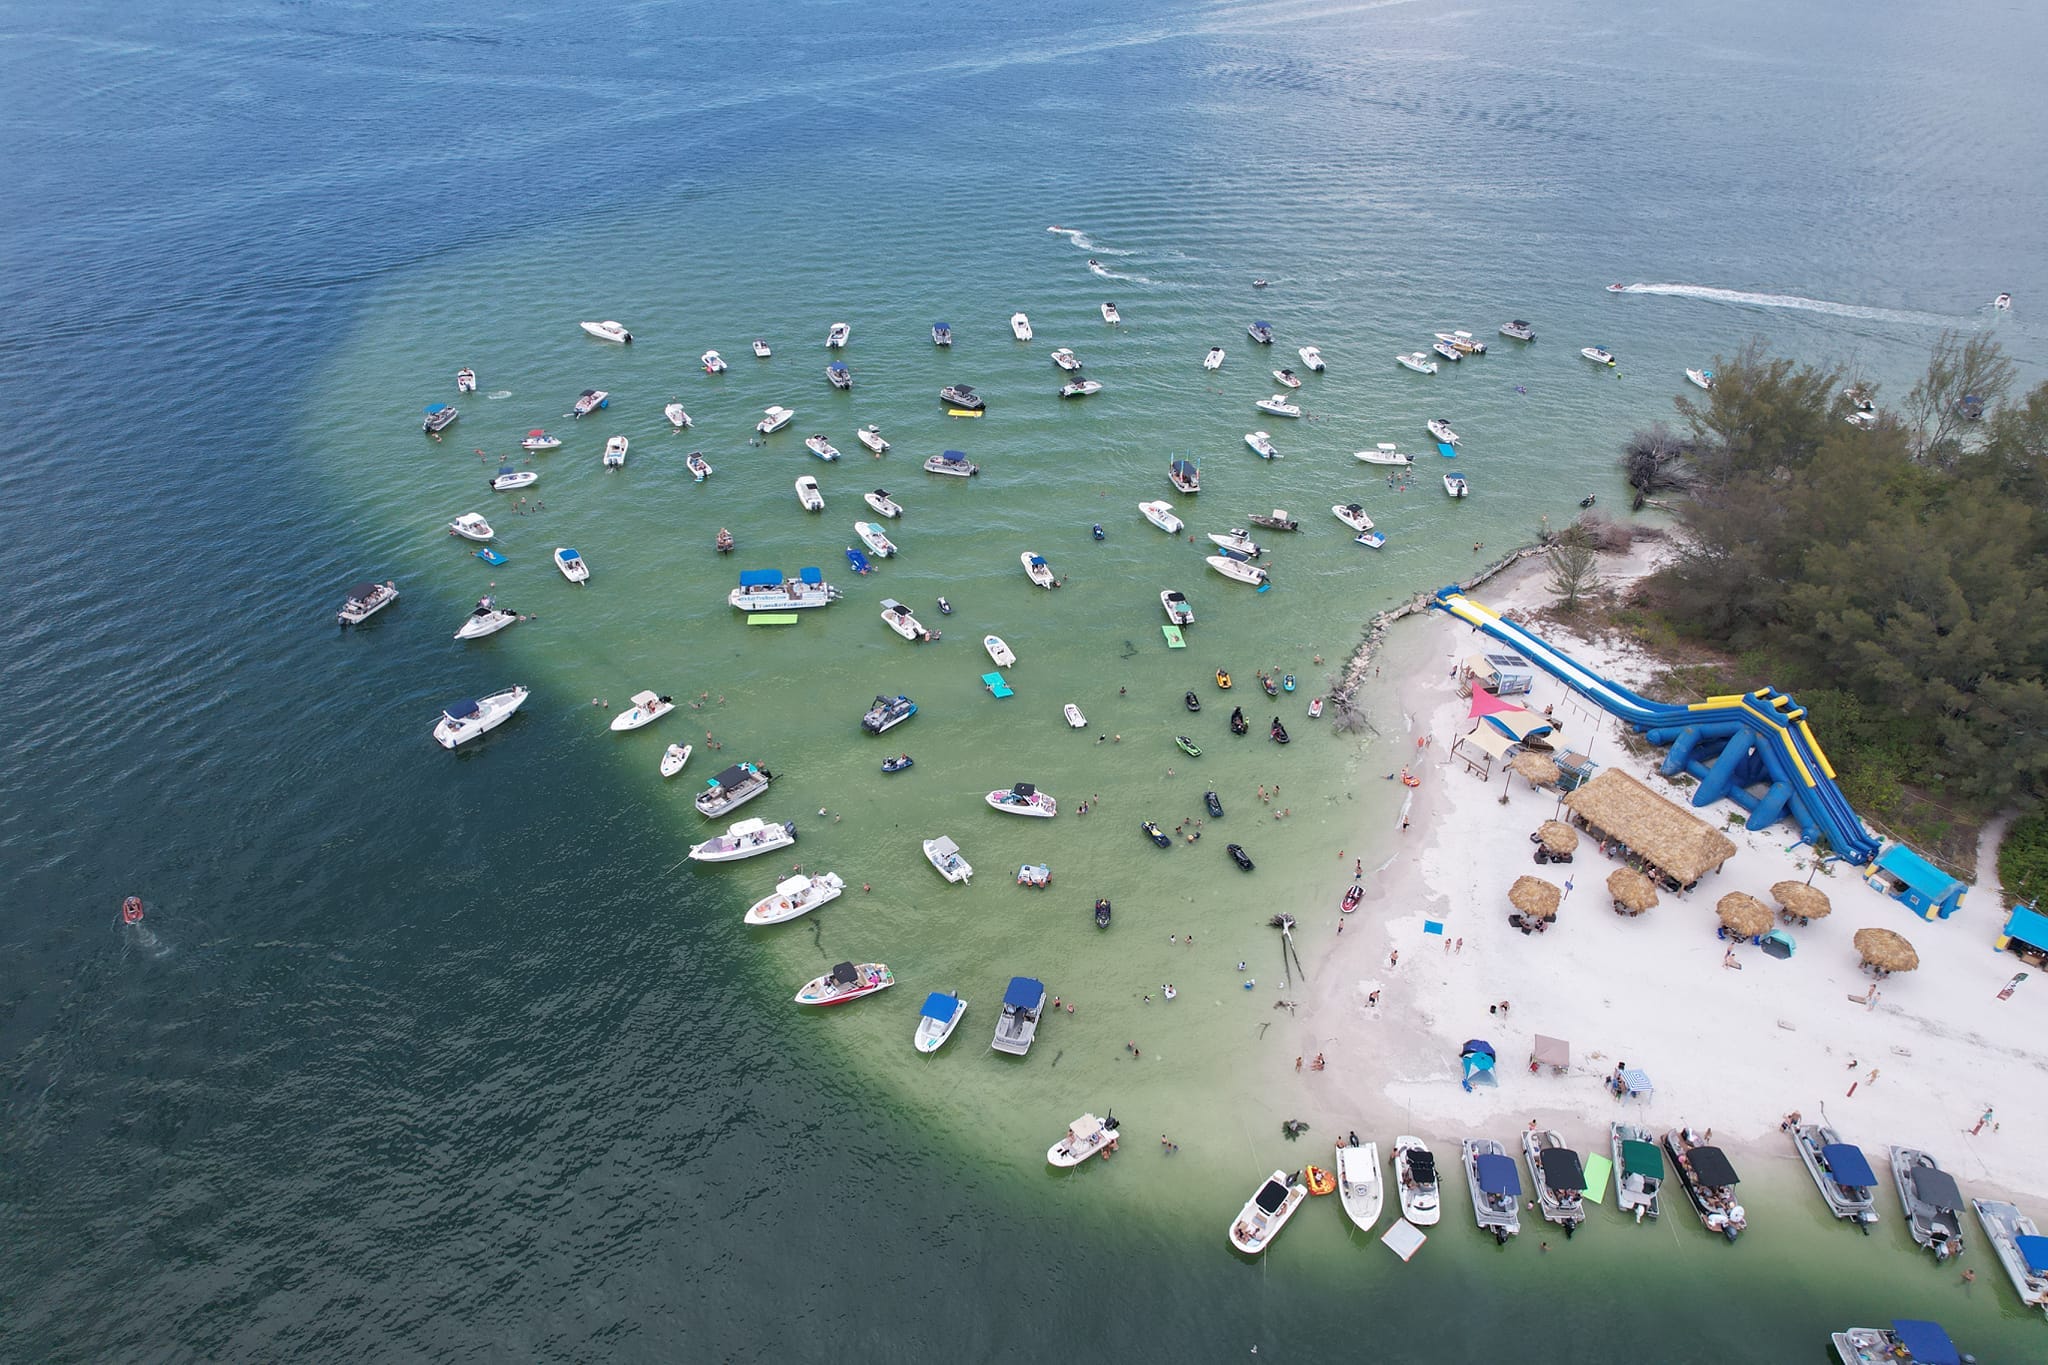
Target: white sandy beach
(1731,1050)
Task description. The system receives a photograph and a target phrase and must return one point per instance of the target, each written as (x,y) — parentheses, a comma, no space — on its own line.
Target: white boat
(1447,351)
(1262,443)
(1352,515)
(472,526)
(506,480)
(365,600)
(770,590)
(1086,1136)
(677,418)
(1287,377)
(1902,1343)
(1463,342)
(699,467)
(942,334)
(647,708)
(1638,1170)
(883,504)
(962,397)
(1417,361)
(674,757)
(938,1018)
(1177,609)
(839,375)
(761,350)
(1708,1179)
(1110,314)
(1441,429)
(1184,475)
(1023,1003)
(821,448)
(1261,332)
(1385,453)
(1701,379)
(1496,1188)
(1238,541)
(871,437)
(731,789)
(1064,358)
(1278,406)
(2002,303)
(589,401)
(1311,357)
(1599,355)
(1237,569)
(1081,388)
(1930,1200)
(838,335)
(1037,570)
(944,855)
(999,650)
(1359,1186)
(897,617)
(871,535)
(608,331)
(1213,360)
(571,564)
(713,362)
(1265,1213)
(1160,514)
(1558,1178)
(951,462)
(774,419)
(1275,520)
(793,896)
(1020,326)
(807,495)
(1455,485)
(1023,799)
(615,452)
(1415,1181)
(845,982)
(1840,1172)
(2021,1248)
(1518,330)
(464,720)
(538,439)
(745,839)
(486,618)
(1075,720)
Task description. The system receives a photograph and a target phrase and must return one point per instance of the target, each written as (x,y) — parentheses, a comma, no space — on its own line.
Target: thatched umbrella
(1807,902)
(1540,771)
(1556,836)
(1744,915)
(1885,950)
(1632,891)
(1534,896)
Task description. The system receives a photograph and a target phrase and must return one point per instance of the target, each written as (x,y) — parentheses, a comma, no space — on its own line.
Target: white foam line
(1756,300)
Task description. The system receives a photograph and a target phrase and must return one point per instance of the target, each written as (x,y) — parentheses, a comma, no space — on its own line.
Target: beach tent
(1925,1343)
(2026,931)
(1477,1057)
(1550,1052)
(1637,1082)
(1481,748)
(1403,1239)
(1904,875)
(1523,727)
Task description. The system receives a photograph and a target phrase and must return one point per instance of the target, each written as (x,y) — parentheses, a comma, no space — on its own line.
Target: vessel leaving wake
(1840,310)
(1085,242)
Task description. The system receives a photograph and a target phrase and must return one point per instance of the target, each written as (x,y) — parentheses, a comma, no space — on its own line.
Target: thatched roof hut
(1633,892)
(1807,902)
(1556,836)
(1885,950)
(1538,768)
(1534,896)
(1680,846)
(1744,915)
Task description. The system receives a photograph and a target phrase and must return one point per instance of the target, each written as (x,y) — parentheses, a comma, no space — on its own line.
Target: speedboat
(761,351)
(745,839)
(951,462)
(1155,834)
(1110,314)
(1518,330)
(1238,569)
(1840,1171)
(1441,429)
(1559,1178)
(615,452)
(1352,515)
(713,362)
(937,1019)
(589,401)
(1932,1203)
(1075,720)
(1455,485)
(887,713)
(999,651)
(1385,453)
(677,418)
(1213,360)
(770,590)
(537,439)
(471,526)
(807,494)
(942,335)
(1238,541)
(838,375)
(821,448)
(608,331)
(465,380)
(798,895)
(1599,355)
(462,721)
(1709,1182)
(1266,1212)
(731,789)
(1311,357)
(1023,1003)
(1617,289)
(1702,379)
(1239,856)
(871,437)
(883,504)
(1037,570)
(1275,520)
(1359,1187)
(365,600)
(1023,799)
(1496,1188)
(897,617)
(1160,513)
(697,465)
(438,417)
(1415,1181)
(1905,1342)
(1086,1136)
(1417,361)
(1447,351)
(1462,342)
(1184,475)
(507,478)
(774,419)
(571,564)
(1080,388)
(1261,442)
(1261,332)
(1177,609)
(2021,1248)
(1288,377)
(1638,1170)
(673,758)
(1278,406)
(871,535)
(961,396)
(837,336)
(648,707)
(2002,303)
(944,855)
(846,982)
(1020,326)
(485,618)
(1064,358)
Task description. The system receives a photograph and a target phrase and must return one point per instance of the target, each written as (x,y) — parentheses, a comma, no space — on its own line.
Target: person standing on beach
(1982,1119)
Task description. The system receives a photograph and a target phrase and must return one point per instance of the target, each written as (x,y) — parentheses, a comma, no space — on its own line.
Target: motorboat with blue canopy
(1496,1188)
(935,1021)
(1023,1002)
(1840,1172)
(2034,1251)
(1848,1164)
(1925,1343)
(769,590)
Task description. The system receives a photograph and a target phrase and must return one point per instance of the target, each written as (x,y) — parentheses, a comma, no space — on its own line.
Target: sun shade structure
(1534,896)
(1925,1343)
(1539,769)
(1643,1159)
(1555,835)
(1497,1174)
(1711,1166)
(1807,902)
(1561,1169)
(1847,1164)
(1937,1188)
(1632,891)
(1680,845)
(1547,1051)
(1743,914)
(1885,950)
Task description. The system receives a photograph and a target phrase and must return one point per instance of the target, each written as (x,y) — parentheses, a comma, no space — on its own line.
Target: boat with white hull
(472,526)
(674,758)
(1037,570)
(1278,406)
(999,650)
(1462,342)
(745,839)
(761,349)
(946,859)
(1023,799)
(1020,326)
(839,375)
(615,452)
(871,535)
(845,982)
(1456,487)
(1447,351)
(571,564)
(821,448)
(774,419)
(1415,1181)
(589,401)
(699,467)
(1700,379)
(1558,1177)
(1110,314)
(1177,609)
(1266,1213)
(1840,1172)
(1417,361)
(1384,453)
(897,617)
(1261,443)
(1023,1005)
(770,590)
(608,331)
(1441,429)
(365,600)
(1066,360)
(1237,541)
(1638,1170)
(807,495)
(508,479)
(1086,1136)
(713,362)
(795,896)
(1599,355)
(731,789)
(1213,360)
(2021,1248)
(1496,1188)
(1312,358)
(871,437)
(538,439)
(1930,1200)
(485,618)
(951,462)
(883,504)
(1518,330)
(1160,513)
(1709,1180)
(1359,1186)
(940,1015)
(647,708)
(1080,388)
(1352,515)
(464,720)
(887,713)
(1238,569)
(838,335)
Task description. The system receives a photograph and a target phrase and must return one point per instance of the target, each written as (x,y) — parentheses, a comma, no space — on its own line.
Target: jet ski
(1194,702)
(1100,534)
(897,764)
(1102,914)
(1187,746)
(1239,856)
(1157,835)
(1278,734)
(1352,898)
(945,607)
(1213,802)
(1238,724)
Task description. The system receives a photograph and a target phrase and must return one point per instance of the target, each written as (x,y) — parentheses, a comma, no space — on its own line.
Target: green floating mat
(1174,639)
(773,618)
(1597,1170)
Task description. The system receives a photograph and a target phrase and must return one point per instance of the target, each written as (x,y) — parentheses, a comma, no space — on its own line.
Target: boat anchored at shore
(1930,1200)
(1559,1178)
(795,896)
(1086,1136)
(2021,1248)
(1359,1187)
(846,982)
(745,839)
(1496,1188)
(1638,1170)
(1709,1181)
(1415,1180)
(1266,1213)
(1840,1172)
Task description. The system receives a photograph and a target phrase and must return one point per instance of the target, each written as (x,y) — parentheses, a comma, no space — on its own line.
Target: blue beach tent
(1497,1174)
(1925,1343)
(2025,926)
(1477,1056)
(1927,891)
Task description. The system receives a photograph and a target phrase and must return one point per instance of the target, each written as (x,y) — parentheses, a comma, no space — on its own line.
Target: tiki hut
(1538,768)
(1633,892)
(1886,951)
(1801,901)
(1678,848)
(1556,836)
(1743,915)
(1535,897)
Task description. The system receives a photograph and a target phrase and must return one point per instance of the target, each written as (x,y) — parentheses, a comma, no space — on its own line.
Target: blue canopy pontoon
(2034,1251)
(1847,1165)
(760,578)
(1497,1174)
(1925,1343)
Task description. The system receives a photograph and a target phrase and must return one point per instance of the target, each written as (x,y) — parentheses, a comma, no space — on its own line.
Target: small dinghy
(1156,834)
(1239,856)
(1074,716)
(1266,681)
(723,544)
(673,758)
(1278,732)
(486,618)
(1188,746)
(1194,703)
(1102,912)
(1214,803)
(1351,899)
(846,982)
(537,439)
(795,896)
(648,707)
(940,1015)
(699,467)
(1223,678)
(677,418)
(507,478)
(898,763)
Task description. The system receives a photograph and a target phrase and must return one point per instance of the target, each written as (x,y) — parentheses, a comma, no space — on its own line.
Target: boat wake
(499,393)
(1085,242)
(1755,300)
(1106,273)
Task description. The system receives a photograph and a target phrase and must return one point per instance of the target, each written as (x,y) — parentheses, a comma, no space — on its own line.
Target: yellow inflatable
(1319,1181)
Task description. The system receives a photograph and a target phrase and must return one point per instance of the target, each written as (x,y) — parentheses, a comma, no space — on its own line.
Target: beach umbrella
(1556,835)
(1807,902)
(1540,771)
(1534,896)
(1477,1058)
(1885,950)
(1744,915)
(1632,891)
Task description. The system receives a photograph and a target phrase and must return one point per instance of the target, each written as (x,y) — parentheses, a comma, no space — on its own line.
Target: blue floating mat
(490,556)
(1430,926)
(1445,449)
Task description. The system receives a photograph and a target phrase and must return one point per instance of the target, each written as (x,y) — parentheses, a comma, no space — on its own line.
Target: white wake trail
(1803,304)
